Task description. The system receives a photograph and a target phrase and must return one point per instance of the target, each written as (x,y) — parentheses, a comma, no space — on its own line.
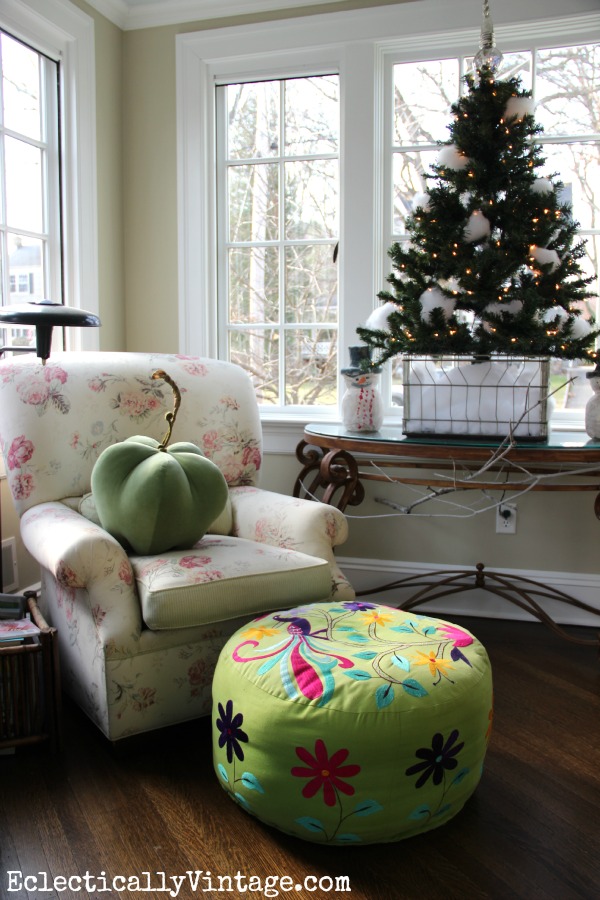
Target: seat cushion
(222,578)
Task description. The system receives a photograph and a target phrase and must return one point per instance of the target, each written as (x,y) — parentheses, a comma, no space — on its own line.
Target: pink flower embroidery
(326,772)
(23,486)
(458,637)
(136,403)
(55,373)
(66,576)
(35,392)
(197,673)
(125,573)
(98,614)
(193,368)
(212,441)
(144,698)
(21,451)
(251,457)
(193,562)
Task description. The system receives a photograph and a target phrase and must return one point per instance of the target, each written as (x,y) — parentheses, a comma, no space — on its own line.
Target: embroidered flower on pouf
(231,732)
(325,772)
(436,759)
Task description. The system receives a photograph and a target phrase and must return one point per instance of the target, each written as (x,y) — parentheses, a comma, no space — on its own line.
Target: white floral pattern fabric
(54,422)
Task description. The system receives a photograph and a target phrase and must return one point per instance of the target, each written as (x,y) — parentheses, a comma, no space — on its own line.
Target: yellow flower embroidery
(435,665)
(256,632)
(373,617)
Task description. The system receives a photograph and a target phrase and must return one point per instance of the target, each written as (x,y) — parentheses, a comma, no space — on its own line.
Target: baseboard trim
(370,574)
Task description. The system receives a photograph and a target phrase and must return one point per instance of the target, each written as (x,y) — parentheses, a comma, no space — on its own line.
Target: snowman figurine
(362,407)
(592,407)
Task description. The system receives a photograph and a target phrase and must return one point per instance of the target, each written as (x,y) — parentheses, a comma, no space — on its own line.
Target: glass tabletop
(556,440)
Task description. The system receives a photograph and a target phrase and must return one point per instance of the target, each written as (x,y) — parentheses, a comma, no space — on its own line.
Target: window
(30,216)
(278,163)
(394,97)
(48,210)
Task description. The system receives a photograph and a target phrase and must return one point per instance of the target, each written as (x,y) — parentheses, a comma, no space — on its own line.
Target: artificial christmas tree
(492,268)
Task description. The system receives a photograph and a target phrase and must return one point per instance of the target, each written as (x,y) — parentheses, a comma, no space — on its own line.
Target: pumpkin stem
(170,416)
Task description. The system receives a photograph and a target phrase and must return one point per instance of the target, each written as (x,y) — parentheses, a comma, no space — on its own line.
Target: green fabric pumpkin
(153,498)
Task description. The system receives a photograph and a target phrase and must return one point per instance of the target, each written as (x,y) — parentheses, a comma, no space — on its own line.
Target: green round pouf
(351,722)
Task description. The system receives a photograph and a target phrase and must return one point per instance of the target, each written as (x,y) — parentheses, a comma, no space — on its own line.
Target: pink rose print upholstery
(140,636)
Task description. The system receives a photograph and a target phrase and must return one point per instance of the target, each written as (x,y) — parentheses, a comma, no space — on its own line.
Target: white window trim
(358,46)
(64,32)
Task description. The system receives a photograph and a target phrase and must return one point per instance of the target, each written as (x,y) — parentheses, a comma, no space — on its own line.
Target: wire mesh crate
(470,397)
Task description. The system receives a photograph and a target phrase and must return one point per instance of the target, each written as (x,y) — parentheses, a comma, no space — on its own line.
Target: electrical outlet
(506,518)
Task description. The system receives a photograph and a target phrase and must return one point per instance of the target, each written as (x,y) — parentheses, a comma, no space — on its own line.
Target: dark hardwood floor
(532,829)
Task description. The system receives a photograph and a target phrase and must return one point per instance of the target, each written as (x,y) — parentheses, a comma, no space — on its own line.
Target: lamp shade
(44,315)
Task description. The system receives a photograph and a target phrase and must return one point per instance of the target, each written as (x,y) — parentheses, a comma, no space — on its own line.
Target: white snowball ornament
(512,308)
(421,200)
(542,186)
(549,315)
(580,328)
(451,157)
(378,320)
(433,298)
(544,257)
(519,107)
(450,284)
(477,227)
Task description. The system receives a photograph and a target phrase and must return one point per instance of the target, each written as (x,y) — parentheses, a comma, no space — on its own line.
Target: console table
(335,463)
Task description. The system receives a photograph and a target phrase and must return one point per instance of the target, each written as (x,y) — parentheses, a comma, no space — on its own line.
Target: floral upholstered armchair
(140,635)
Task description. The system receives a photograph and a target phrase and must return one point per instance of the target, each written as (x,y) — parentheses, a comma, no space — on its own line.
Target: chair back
(56,419)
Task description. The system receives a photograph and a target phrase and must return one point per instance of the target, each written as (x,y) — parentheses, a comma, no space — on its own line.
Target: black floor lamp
(43,315)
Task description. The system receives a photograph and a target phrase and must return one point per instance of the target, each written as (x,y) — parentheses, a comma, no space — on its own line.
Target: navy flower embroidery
(436,759)
(231,733)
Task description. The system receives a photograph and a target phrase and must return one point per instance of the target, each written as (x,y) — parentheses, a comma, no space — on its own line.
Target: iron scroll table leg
(334,472)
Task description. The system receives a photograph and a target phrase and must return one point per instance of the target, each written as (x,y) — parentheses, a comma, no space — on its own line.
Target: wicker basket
(465,397)
(30,686)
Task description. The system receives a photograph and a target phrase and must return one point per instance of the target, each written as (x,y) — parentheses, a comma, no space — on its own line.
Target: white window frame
(65,33)
(358,45)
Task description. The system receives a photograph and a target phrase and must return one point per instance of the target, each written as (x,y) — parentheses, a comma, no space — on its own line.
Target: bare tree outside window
(279,218)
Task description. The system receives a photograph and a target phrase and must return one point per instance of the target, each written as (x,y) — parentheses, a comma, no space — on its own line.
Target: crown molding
(132,15)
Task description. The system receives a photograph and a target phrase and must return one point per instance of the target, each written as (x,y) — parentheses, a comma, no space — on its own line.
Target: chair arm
(297,524)
(87,562)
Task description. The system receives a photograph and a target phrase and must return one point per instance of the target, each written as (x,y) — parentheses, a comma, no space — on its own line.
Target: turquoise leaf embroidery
(252,783)
(367,808)
(384,695)
(347,839)
(223,773)
(242,801)
(431,629)
(358,675)
(345,628)
(366,654)
(421,812)
(413,688)
(459,777)
(310,824)
(358,637)
(401,662)
(443,809)
(405,629)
